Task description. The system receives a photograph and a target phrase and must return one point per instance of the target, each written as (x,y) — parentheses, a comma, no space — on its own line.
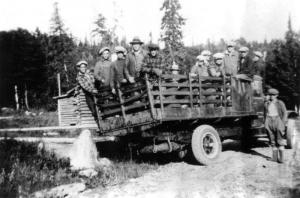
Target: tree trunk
(17,98)
(26,98)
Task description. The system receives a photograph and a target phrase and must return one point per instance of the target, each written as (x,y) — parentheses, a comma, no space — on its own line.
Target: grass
(20,120)
(23,170)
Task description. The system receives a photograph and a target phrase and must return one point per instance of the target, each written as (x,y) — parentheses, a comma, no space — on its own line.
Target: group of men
(129,66)
(230,63)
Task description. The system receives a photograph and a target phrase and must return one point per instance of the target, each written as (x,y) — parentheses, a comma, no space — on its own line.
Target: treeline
(30,61)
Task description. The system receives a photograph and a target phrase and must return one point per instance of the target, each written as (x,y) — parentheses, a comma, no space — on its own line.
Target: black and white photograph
(149,99)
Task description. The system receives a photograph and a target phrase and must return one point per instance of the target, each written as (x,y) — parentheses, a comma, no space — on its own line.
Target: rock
(69,190)
(84,154)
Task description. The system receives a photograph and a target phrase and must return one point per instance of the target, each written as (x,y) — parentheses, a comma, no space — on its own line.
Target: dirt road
(237,174)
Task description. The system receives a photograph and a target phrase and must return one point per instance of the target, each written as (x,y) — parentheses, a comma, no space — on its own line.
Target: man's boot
(281,156)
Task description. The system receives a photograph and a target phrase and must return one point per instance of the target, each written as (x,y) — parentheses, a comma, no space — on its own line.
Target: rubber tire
(290,136)
(197,144)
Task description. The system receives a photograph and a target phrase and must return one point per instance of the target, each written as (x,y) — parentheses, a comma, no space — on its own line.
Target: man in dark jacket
(136,57)
(275,122)
(118,70)
(258,64)
(245,62)
(102,67)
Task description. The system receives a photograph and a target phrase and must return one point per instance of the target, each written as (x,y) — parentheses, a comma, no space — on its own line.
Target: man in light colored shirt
(136,57)
(231,59)
(199,68)
(275,122)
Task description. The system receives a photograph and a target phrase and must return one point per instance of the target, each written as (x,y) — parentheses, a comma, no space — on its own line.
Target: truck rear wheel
(206,144)
(290,134)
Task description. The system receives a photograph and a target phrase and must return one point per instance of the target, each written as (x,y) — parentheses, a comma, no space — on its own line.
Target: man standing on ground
(102,68)
(231,59)
(275,122)
(136,57)
(86,82)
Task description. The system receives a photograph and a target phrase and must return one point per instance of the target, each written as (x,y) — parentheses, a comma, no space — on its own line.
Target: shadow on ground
(119,151)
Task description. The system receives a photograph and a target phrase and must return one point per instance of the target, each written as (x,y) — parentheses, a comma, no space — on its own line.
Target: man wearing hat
(153,63)
(275,122)
(258,64)
(231,59)
(206,54)
(245,62)
(118,70)
(85,80)
(217,69)
(102,67)
(199,68)
(136,57)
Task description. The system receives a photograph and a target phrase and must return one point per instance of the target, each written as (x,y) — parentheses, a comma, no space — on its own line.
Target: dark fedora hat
(136,40)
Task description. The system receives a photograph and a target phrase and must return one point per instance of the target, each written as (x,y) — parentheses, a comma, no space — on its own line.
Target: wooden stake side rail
(178,97)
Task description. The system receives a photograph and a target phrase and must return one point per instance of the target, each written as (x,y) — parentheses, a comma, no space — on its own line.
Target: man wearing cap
(153,63)
(200,68)
(217,69)
(245,62)
(258,64)
(118,70)
(275,122)
(258,73)
(136,57)
(206,54)
(86,82)
(102,68)
(231,59)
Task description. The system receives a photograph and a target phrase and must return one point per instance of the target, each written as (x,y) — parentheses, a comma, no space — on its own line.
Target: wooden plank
(122,105)
(134,106)
(225,95)
(179,93)
(186,93)
(200,88)
(191,90)
(134,89)
(214,86)
(161,96)
(186,101)
(115,104)
(150,96)
(174,76)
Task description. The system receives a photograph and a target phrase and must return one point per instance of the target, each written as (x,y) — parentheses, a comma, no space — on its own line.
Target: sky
(205,19)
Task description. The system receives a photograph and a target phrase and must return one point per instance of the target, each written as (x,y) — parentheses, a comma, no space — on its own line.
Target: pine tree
(105,35)
(171,27)
(57,25)
(283,70)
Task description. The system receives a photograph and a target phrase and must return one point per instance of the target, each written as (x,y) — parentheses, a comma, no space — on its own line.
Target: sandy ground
(237,174)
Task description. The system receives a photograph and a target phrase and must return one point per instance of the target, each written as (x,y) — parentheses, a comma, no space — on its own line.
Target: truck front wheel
(206,144)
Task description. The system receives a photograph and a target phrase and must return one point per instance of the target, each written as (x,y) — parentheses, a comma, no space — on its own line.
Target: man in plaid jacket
(86,82)
(153,63)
